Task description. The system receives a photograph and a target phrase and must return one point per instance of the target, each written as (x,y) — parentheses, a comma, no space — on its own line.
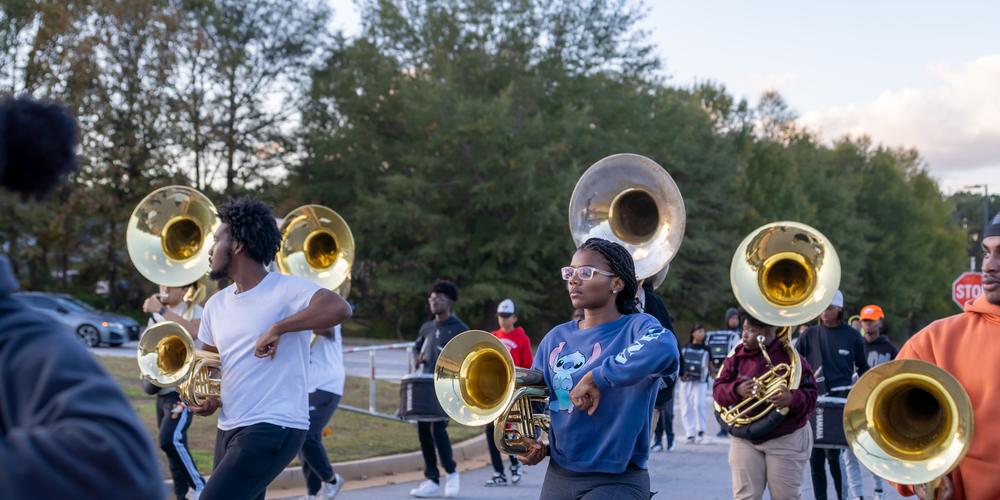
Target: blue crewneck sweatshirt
(627,356)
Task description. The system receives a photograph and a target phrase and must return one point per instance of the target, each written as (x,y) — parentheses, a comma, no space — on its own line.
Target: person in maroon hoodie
(516,341)
(776,460)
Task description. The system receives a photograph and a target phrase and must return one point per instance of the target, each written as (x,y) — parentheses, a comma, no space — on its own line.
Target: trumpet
(476,382)
(909,422)
(784,274)
(167,358)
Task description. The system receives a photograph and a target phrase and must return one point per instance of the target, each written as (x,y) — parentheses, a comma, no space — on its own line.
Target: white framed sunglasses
(585,273)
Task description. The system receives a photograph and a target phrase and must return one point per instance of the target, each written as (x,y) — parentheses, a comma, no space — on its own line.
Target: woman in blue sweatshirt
(603,374)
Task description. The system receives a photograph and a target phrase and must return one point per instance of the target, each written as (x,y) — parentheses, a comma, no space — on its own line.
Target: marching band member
(260,326)
(965,345)
(603,373)
(776,460)
(66,428)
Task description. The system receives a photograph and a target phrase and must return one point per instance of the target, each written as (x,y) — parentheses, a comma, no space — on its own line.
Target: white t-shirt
(256,390)
(326,364)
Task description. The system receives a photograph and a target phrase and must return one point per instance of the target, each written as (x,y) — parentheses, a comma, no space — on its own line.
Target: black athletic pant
(434,436)
(248,458)
(817,467)
(495,452)
(315,462)
(174,419)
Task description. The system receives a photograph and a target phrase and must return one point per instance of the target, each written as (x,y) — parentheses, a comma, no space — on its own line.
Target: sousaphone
(632,200)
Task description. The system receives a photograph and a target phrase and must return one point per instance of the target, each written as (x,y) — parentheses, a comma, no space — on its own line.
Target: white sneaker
(193,494)
(451,485)
(878,495)
(427,489)
(330,490)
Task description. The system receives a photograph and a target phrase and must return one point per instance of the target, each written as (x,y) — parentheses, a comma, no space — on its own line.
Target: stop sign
(966,288)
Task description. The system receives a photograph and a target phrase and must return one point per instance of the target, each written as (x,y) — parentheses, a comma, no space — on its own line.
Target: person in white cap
(517,342)
(836,353)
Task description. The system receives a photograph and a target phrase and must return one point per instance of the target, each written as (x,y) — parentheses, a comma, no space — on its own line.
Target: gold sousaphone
(317,244)
(168,238)
(632,200)
(476,383)
(909,421)
(784,274)
(169,235)
(167,358)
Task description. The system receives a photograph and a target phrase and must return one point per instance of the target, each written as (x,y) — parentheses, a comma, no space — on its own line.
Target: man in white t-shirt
(177,304)
(326,385)
(260,326)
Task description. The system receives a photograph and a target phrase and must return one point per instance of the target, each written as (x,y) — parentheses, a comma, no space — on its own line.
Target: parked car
(93,326)
(131,326)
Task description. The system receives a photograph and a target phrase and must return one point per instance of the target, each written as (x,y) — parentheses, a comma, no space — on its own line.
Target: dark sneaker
(497,480)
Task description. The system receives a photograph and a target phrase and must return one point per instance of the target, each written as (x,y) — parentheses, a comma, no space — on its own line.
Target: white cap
(838,300)
(506,307)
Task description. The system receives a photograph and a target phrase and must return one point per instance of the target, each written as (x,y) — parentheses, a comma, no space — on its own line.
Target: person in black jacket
(653,305)
(836,353)
(434,335)
(878,348)
(66,428)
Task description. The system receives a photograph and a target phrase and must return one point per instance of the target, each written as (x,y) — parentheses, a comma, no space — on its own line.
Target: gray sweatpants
(563,484)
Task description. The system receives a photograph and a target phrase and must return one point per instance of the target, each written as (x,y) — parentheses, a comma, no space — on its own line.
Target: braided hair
(622,265)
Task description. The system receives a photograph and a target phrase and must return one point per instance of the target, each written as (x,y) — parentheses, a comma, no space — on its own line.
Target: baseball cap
(506,308)
(838,300)
(872,312)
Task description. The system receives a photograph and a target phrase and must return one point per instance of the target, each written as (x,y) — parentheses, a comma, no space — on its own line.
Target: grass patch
(351,436)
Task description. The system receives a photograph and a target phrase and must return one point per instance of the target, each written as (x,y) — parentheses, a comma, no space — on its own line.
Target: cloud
(954,123)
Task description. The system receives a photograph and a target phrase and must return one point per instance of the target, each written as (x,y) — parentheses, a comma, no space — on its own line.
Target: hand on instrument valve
(944,490)
(782,399)
(586,396)
(152,305)
(208,406)
(537,453)
(745,388)
(267,344)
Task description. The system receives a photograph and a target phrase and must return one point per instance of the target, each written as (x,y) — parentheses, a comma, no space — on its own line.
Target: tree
(262,53)
(453,134)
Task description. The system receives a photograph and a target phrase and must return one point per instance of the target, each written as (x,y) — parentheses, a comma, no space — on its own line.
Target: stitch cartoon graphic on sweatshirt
(563,368)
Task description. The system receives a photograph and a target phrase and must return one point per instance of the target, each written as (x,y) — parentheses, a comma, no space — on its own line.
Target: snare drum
(828,423)
(417,399)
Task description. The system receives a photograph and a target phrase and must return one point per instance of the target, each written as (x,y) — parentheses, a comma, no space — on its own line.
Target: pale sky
(923,74)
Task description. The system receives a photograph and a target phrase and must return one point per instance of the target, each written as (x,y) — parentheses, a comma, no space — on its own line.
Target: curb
(382,467)
(374,471)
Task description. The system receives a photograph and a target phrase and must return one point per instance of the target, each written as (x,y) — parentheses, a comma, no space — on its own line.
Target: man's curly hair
(252,225)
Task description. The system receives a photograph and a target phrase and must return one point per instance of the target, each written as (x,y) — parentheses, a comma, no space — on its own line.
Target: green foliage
(450,134)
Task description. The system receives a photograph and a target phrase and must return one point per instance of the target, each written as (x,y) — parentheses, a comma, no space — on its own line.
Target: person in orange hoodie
(959,344)
(517,342)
